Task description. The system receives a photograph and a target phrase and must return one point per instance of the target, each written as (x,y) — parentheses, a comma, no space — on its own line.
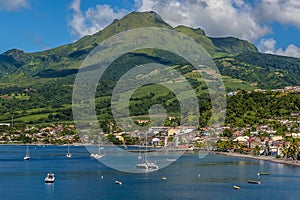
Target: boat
(264,173)
(171,159)
(50,178)
(145,163)
(98,155)
(69,155)
(236,187)
(27,156)
(118,182)
(164,178)
(252,181)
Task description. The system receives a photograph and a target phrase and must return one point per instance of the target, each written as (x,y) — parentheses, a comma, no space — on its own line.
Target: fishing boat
(50,178)
(236,187)
(69,155)
(252,181)
(100,153)
(27,156)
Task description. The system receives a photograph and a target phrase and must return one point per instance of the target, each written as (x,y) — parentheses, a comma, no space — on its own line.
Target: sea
(189,177)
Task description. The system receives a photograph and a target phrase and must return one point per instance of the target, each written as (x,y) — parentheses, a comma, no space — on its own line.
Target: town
(277,138)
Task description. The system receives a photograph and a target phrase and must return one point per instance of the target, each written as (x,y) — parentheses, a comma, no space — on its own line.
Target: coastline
(265,158)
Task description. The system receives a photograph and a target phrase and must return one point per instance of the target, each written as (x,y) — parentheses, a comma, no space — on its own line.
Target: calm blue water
(188,178)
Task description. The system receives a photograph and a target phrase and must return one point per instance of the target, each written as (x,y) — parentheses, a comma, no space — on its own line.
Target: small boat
(50,178)
(236,187)
(69,155)
(164,178)
(252,181)
(118,182)
(27,156)
(264,173)
(171,160)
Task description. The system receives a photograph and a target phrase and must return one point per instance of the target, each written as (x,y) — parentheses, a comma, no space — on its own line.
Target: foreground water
(80,177)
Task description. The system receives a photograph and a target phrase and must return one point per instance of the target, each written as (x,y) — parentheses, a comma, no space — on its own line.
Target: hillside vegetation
(37,87)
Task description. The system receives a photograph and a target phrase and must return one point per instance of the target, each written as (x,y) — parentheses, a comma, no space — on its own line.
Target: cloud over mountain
(268,46)
(93,19)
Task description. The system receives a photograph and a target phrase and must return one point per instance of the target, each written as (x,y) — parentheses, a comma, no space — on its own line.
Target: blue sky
(36,25)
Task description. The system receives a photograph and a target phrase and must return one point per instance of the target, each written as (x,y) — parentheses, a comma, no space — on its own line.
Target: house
(242,140)
(276,138)
(253,142)
(172,132)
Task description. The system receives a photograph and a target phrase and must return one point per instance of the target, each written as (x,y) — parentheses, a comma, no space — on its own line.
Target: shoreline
(265,158)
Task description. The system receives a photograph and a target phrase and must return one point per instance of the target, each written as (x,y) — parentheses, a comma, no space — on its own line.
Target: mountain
(37,87)
(69,56)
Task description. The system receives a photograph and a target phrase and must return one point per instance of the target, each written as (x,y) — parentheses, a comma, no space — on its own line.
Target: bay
(189,177)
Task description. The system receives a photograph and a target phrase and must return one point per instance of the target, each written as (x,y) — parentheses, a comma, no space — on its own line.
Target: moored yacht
(50,178)
(27,156)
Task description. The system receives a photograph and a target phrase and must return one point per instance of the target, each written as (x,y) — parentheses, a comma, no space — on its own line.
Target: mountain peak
(17,54)
(135,20)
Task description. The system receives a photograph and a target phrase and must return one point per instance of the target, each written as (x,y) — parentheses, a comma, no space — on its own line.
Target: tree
(256,150)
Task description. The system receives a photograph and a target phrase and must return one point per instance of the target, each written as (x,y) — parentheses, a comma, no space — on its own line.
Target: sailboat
(69,155)
(145,163)
(100,153)
(27,156)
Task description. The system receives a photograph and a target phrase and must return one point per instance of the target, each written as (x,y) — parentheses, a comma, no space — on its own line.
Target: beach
(266,158)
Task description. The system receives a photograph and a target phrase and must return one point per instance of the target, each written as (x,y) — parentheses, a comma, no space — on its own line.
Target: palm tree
(293,149)
(256,150)
(284,151)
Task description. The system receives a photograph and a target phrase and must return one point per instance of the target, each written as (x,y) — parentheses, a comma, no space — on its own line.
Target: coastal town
(277,139)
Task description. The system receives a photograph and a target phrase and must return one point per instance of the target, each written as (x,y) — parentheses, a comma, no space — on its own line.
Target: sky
(36,25)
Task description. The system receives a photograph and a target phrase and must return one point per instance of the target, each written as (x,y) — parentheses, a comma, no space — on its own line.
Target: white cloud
(216,17)
(268,46)
(291,50)
(13,5)
(283,11)
(92,20)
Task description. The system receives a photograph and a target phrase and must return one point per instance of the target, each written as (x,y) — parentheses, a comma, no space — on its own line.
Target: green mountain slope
(37,87)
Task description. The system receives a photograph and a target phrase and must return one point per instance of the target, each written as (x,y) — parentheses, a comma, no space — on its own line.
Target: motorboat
(236,187)
(252,181)
(118,182)
(264,173)
(50,178)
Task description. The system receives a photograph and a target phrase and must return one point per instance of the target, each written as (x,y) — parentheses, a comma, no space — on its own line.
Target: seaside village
(263,139)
